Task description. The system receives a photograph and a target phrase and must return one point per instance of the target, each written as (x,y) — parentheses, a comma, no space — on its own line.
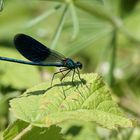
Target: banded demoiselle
(40,55)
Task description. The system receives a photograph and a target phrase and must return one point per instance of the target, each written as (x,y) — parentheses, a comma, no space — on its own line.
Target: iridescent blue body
(70,64)
(40,55)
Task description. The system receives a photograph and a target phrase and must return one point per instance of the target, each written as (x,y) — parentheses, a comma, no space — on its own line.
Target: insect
(40,55)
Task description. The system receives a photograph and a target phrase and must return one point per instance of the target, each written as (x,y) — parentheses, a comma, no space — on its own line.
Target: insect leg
(60,71)
(62,80)
(54,76)
(73,76)
(79,74)
(65,74)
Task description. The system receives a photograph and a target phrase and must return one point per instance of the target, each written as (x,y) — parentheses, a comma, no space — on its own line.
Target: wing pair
(34,51)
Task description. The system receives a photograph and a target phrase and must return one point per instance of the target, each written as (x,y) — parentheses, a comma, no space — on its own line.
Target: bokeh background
(102,34)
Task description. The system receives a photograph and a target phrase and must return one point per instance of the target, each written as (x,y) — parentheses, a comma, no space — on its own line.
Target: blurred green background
(102,34)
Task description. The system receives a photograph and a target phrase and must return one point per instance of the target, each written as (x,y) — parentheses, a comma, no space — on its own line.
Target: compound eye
(79,65)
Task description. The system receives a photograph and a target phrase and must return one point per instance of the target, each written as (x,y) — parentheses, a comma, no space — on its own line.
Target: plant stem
(59,28)
(1,5)
(111,79)
(23,132)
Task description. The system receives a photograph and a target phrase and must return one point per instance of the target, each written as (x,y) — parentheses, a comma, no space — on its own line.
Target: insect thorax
(69,63)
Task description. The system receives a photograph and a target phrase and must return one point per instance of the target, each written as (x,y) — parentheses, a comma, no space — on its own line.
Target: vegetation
(102,34)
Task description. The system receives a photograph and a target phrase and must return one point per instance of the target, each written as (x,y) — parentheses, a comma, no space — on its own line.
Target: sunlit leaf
(16,75)
(92,102)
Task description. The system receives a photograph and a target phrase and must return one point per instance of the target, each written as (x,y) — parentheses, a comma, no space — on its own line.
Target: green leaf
(87,41)
(80,130)
(98,10)
(14,129)
(91,30)
(103,13)
(18,127)
(1,5)
(8,29)
(45,106)
(42,16)
(16,75)
(4,101)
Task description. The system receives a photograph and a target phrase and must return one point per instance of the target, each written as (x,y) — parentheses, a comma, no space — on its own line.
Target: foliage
(102,34)
(19,126)
(90,101)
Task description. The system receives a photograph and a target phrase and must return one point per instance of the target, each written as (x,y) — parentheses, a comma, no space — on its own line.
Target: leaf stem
(23,132)
(1,5)
(59,27)
(74,20)
(113,58)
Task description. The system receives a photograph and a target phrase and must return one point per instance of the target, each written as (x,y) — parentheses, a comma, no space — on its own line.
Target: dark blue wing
(35,51)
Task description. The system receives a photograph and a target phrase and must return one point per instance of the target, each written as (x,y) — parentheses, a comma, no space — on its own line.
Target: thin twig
(23,132)
(59,27)
(113,58)
(1,5)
